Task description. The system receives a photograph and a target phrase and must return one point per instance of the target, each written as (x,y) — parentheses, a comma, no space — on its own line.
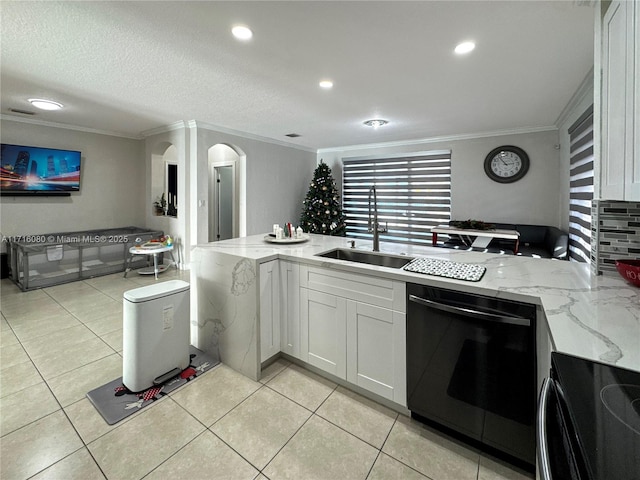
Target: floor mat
(115,402)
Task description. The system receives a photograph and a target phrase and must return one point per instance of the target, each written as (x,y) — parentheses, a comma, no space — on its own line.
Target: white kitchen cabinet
(354,327)
(324,331)
(620,102)
(290,308)
(269,309)
(376,352)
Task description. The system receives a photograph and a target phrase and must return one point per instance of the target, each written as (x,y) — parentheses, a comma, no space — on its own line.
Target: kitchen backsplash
(615,233)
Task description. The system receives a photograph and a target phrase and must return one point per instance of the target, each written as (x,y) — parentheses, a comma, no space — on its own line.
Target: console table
(483,237)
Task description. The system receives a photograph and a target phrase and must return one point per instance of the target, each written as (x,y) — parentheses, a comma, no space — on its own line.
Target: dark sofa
(535,241)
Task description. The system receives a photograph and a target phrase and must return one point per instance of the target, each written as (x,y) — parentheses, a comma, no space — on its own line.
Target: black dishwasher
(471,368)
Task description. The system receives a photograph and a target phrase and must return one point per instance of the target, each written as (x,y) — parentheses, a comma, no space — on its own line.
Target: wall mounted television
(28,170)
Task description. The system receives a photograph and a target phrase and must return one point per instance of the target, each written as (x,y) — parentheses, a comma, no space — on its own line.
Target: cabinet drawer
(359,287)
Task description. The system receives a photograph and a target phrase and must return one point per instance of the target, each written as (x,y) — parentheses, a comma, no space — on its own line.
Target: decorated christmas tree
(322,211)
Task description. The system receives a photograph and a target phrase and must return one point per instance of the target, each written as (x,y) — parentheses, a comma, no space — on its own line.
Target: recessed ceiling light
(375,123)
(45,104)
(242,32)
(326,84)
(464,47)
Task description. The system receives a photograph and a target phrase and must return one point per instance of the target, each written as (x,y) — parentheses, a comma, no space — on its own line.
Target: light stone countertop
(594,317)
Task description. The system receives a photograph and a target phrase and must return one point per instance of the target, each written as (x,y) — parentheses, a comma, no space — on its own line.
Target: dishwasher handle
(543,448)
(470,312)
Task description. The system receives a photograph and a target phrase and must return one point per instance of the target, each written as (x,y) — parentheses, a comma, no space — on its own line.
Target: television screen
(36,170)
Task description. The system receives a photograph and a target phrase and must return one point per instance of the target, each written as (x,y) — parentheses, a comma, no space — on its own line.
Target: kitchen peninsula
(593,317)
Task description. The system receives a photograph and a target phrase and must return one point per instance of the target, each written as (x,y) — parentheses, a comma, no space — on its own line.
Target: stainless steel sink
(371,258)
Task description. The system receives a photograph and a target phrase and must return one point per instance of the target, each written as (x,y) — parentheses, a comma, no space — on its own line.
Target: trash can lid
(157,290)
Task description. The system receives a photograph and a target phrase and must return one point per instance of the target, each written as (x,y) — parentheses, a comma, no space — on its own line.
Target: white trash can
(156,334)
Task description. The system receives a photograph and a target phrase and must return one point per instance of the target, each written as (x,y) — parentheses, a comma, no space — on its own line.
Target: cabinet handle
(470,312)
(543,448)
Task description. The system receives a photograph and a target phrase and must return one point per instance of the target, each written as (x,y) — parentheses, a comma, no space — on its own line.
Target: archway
(225,192)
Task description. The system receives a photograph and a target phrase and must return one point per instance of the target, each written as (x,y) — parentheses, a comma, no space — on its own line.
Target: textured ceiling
(129,67)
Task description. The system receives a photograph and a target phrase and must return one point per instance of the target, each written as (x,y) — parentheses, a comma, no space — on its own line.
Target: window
(581,187)
(413,192)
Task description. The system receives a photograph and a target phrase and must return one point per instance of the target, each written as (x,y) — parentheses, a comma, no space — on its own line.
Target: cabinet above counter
(595,317)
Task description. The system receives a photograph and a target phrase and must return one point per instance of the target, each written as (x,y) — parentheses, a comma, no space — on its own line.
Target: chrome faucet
(373,226)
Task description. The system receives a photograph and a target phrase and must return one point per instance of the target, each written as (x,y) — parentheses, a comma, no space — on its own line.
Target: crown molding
(585,88)
(444,138)
(251,136)
(179,125)
(44,123)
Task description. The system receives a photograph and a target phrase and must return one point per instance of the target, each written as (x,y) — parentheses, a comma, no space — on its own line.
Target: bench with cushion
(542,241)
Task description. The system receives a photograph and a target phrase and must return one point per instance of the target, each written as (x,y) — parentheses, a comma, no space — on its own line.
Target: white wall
(112,183)
(532,200)
(277,179)
(155,148)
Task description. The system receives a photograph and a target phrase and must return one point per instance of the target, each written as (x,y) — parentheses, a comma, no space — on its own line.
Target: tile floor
(60,342)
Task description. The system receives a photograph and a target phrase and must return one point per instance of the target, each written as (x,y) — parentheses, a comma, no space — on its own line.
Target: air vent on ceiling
(22,112)
(292,135)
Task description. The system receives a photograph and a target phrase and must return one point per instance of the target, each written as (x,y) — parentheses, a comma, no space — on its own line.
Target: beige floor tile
(431,453)
(72,357)
(37,446)
(274,369)
(321,450)
(302,386)
(38,310)
(77,466)
(69,290)
(74,385)
(9,289)
(94,307)
(18,377)
(26,406)
(12,355)
(260,426)
(359,416)
(89,423)
(7,337)
(58,341)
(113,287)
(43,325)
(196,461)
(213,394)
(387,468)
(111,322)
(138,446)
(21,302)
(494,469)
(114,340)
(4,325)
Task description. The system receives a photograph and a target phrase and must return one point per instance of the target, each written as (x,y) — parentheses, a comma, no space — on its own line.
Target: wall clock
(506,164)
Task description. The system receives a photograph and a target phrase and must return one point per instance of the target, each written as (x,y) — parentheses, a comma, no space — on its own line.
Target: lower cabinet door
(269,310)
(376,350)
(290,308)
(324,331)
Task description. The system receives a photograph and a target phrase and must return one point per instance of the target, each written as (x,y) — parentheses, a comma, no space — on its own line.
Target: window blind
(413,192)
(581,187)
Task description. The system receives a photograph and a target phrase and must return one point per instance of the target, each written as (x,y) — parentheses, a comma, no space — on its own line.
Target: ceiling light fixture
(326,84)
(375,123)
(464,47)
(242,32)
(45,104)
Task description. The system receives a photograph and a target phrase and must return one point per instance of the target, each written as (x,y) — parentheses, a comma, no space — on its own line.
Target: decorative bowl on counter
(629,270)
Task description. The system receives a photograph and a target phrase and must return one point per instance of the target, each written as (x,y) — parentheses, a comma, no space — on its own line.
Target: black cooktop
(604,404)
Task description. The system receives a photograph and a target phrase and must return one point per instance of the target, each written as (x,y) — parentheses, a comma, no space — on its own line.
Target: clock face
(506,164)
